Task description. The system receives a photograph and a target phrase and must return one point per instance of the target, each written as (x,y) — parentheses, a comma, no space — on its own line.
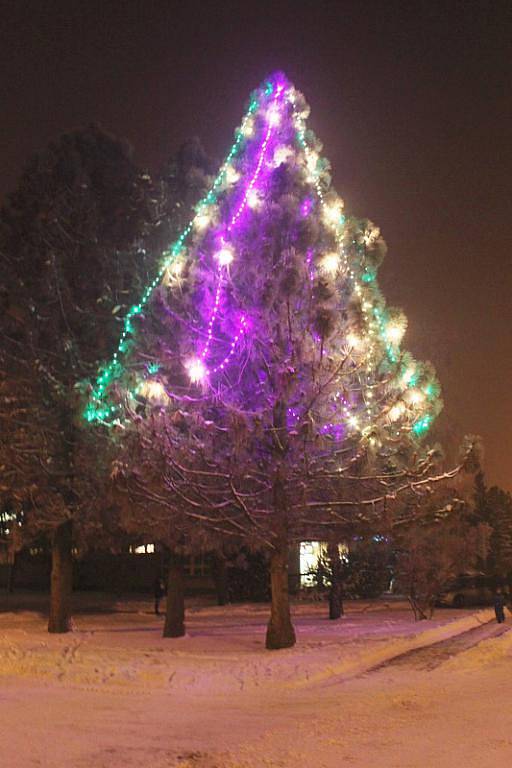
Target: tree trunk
(220,578)
(175,615)
(336,590)
(417,607)
(61,584)
(280,631)
(335,601)
(11,566)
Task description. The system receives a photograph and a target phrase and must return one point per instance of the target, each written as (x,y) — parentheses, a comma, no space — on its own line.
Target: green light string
(97,409)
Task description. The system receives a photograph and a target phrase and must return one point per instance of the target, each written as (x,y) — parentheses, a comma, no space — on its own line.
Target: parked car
(465,590)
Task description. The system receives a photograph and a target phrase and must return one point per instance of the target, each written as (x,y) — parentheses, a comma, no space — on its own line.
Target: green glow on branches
(422,425)
(360,274)
(97,409)
(431,390)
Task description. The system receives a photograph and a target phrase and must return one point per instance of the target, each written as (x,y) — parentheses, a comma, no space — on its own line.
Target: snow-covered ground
(114,693)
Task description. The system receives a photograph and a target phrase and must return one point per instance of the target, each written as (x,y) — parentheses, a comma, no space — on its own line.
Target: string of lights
(348,264)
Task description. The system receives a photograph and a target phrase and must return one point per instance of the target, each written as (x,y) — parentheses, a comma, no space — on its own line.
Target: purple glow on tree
(234,236)
(226,253)
(285,388)
(242,329)
(209,332)
(230,263)
(305,208)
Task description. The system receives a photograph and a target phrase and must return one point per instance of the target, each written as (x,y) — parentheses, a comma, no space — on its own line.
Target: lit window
(310,553)
(143,549)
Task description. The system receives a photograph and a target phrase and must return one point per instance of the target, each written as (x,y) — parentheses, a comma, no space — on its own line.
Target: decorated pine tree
(260,385)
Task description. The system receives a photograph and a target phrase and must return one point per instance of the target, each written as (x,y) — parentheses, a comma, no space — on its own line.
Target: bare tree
(436,540)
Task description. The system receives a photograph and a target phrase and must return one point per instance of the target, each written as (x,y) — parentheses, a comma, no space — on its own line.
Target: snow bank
(223,650)
(485,654)
(356,661)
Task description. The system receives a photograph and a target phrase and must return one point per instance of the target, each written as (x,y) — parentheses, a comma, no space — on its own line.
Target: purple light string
(306,206)
(241,331)
(234,219)
(213,316)
(250,186)
(309,262)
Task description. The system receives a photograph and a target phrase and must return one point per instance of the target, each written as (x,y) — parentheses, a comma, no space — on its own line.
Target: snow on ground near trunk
(223,649)
(113,694)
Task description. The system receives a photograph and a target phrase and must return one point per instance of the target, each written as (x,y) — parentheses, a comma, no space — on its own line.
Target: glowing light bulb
(248,127)
(395,331)
(153,390)
(281,155)
(414,396)
(312,161)
(173,271)
(396,411)
(273,115)
(330,263)
(196,370)
(253,199)
(202,220)
(354,341)
(232,175)
(333,213)
(353,422)
(176,268)
(225,256)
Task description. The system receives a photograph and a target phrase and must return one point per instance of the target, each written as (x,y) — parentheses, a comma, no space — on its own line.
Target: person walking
(499,606)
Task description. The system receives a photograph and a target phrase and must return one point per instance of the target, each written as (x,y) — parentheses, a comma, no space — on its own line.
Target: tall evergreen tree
(494,506)
(71,254)
(259,382)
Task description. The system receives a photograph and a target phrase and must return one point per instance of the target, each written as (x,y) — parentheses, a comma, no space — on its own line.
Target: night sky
(412,101)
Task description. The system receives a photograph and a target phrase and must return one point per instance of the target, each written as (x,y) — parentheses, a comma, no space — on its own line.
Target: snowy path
(455,712)
(434,655)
